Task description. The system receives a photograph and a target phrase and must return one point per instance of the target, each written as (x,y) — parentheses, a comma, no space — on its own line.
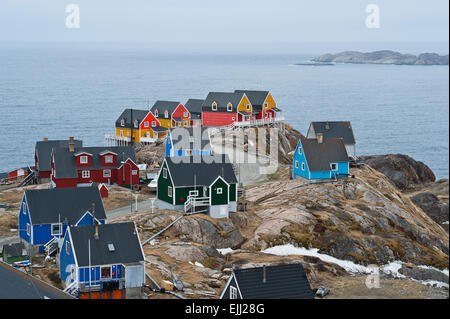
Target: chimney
(319,138)
(96,231)
(45,139)
(71,146)
(71,139)
(264,274)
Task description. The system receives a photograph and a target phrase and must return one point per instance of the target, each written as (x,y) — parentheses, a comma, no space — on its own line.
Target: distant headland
(382,57)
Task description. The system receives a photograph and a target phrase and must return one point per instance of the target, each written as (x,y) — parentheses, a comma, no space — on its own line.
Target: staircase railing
(193,201)
(51,246)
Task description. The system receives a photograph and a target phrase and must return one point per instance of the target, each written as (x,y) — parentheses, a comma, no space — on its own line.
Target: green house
(198,184)
(14,252)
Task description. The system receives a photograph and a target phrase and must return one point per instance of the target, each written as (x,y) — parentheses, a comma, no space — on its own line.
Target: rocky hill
(383,57)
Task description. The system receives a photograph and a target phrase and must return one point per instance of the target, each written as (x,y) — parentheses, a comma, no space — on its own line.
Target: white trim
(60,229)
(233,292)
(87,212)
(110,272)
(107,152)
(331,166)
(80,153)
(84,159)
(170,194)
(106,170)
(85,176)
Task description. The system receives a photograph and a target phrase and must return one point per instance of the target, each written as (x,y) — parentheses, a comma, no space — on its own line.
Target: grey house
(336,129)
(268,282)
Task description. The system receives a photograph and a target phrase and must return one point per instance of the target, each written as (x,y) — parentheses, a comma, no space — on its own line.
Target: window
(134,172)
(265,105)
(229,107)
(122,122)
(107,173)
(83,159)
(303,166)
(334,166)
(111,247)
(299,151)
(193,193)
(233,292)
(24,208)
(72,272)
(121,132)
(106,272)
(219,190)
(108,159)
(248,107)
(166,114)
(296,164)
(56,229)
(169,191)
(153,123)
(145,124)
(165,172)
(185,114)
(136,124)
(85,174)
(156,113)
(28,229)
(232,118)
(214,106)
(67,248)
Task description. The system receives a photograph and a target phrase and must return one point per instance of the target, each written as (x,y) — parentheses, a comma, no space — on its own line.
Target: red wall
(78,164)
(126,167)
(179,111)
(218,118)
(103,158)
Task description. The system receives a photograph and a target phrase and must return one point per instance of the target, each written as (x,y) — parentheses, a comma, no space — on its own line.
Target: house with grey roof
(188,141)
(81,166)
(264,107)
(320,158)
(194,106)
(45,214)
(287,281)
(103,261)
(43,152)
(17,284)
(198,184)
(14,252)
(335,129)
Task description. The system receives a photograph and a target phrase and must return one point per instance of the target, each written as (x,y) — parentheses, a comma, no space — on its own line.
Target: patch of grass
(210,262)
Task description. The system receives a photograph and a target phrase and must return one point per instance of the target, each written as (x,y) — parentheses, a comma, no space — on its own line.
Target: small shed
(14,252)
(104,191)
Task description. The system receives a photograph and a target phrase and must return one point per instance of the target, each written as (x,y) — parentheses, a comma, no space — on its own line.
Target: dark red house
(43,152)
(73,167)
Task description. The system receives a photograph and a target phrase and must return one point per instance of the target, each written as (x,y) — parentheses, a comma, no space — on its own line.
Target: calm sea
(62,92)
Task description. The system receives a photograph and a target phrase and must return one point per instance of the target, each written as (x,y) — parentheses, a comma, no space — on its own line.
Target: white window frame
(336,167)
(166,114)
(229,107)
(28,229)
(153,123)
(299,151)
(164,172)
(109,159)
(185,114)
(303,166)
(60,229)
(296,164)
(146,124)
(169,191)
(193,193)
(67,248)
(24,208)
(85,174)
(84,159)
(214,106)
(134,172)
(248,107)
(233,292)
(110,272)
(106,173)
(122,122)
(156,113)
(219,190)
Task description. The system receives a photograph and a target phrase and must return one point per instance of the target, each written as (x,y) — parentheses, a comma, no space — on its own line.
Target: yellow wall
(243,105)
(165,122)
(127,133)
(270,102)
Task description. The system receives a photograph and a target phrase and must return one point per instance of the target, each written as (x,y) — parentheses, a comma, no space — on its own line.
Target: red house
(104,191)
(74,167)
(43,152)
(224,108)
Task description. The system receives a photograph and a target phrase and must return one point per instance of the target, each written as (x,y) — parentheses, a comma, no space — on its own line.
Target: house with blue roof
(320,158)
(45,214)
(190,141)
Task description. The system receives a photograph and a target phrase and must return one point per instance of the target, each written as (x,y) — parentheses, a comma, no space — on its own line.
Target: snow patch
(198,264)
(225,251)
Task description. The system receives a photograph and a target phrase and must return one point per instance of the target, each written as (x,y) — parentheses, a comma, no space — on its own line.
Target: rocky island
(383,57)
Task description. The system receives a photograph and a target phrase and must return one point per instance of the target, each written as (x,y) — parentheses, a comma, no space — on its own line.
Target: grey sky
(224,21)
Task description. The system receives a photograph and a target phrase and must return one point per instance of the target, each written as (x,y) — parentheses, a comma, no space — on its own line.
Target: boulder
(402,171)
(432,206)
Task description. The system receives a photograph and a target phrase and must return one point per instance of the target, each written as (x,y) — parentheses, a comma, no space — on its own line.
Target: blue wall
(65,260)
(87,220)
(23,220)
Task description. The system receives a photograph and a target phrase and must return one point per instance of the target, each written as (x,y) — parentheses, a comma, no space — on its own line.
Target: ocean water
(61,92)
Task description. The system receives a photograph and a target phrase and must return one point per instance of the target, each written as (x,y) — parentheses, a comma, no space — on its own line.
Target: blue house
(189,141)
(320,158)
(45,214)
(102,261)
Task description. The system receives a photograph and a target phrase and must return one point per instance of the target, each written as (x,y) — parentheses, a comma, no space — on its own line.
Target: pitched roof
(336,129)
(282,282)
(181,138)
(16,284)
(65,162)
(123,236)
(222,99)
(162,106)
(194,105)
(127,114)
(320,155)
(50,205)
(14,250)
(256,98)
(206,169)
(43,150)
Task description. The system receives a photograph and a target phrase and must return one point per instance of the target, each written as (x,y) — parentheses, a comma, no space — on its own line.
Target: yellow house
(263,103)
(142,123)
(171,114)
